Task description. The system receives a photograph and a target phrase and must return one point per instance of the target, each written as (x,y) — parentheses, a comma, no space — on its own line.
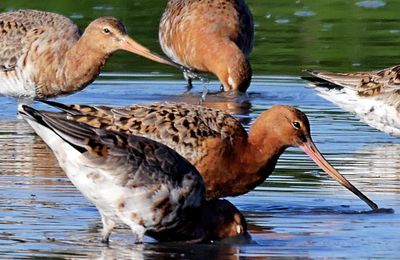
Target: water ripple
(297,211)
(371,4)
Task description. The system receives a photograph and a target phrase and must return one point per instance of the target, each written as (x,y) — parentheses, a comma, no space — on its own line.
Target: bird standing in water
(214,36)
(44,55)
(373,96)
(231,161)
(136,181)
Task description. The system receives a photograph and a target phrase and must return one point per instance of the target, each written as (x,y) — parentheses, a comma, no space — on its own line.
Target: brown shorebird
(136,181)
(44,54)
(373,96)
(213,36)
(231,161)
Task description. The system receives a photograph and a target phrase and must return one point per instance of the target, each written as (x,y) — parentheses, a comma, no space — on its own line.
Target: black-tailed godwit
(136,181)
(214,36)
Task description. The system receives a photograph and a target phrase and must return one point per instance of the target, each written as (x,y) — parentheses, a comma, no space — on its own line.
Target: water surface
(298,211)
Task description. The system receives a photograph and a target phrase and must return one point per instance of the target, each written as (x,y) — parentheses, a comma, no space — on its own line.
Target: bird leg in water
(108,226)
(203,95)
(138,231)
(190,74)
(189,86)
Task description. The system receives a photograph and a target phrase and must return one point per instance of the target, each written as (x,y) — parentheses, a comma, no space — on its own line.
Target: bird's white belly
(14,84)
(374,111)
(122,203)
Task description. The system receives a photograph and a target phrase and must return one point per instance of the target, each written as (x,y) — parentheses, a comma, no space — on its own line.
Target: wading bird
(44,55)
(136,181)
(373,96)
(214,36)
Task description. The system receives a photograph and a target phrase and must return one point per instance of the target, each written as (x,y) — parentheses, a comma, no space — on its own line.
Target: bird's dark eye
(106,30)
(296,125)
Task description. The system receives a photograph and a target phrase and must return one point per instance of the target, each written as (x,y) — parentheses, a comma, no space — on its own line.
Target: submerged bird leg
(203,95)
(138,231)
(189,85)
(108,226)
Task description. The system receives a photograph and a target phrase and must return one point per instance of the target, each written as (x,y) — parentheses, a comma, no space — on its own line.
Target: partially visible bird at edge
(373,96)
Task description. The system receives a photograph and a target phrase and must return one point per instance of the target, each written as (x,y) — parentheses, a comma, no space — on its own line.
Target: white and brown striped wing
(366,84)
(375,100)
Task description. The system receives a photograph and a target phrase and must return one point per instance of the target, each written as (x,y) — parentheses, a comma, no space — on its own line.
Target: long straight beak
(128,44)
(311,150)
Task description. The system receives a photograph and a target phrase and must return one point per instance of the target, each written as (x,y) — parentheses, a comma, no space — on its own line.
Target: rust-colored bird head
(287,124)
(108,34)
(284,126)
(232,68)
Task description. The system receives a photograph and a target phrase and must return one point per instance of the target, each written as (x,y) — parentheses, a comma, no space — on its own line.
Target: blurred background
(290,35)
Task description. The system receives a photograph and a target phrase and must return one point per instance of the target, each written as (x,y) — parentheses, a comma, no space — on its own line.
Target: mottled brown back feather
(180,126)
(18,29)
(365,83)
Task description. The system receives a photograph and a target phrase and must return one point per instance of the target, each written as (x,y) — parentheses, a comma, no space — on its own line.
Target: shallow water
(297,212)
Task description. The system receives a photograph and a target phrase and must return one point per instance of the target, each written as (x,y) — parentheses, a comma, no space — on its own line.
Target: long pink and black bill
(311,150)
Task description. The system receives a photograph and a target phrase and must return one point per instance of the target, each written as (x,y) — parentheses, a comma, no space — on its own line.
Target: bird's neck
(257,158)
(82,65)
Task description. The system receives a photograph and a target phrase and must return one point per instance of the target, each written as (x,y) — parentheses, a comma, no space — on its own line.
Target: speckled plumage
(186,128)
(136,181)
(21,28)
(44,54)
(373,96)
(231,161)
(22,35)
(214,36)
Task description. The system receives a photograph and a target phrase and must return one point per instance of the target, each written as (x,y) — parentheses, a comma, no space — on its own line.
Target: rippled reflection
(23,152)
(231,103)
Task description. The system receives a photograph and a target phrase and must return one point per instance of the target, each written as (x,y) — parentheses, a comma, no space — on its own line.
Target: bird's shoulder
(19,29)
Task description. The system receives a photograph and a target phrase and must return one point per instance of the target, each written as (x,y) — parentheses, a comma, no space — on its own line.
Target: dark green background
(339,34)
